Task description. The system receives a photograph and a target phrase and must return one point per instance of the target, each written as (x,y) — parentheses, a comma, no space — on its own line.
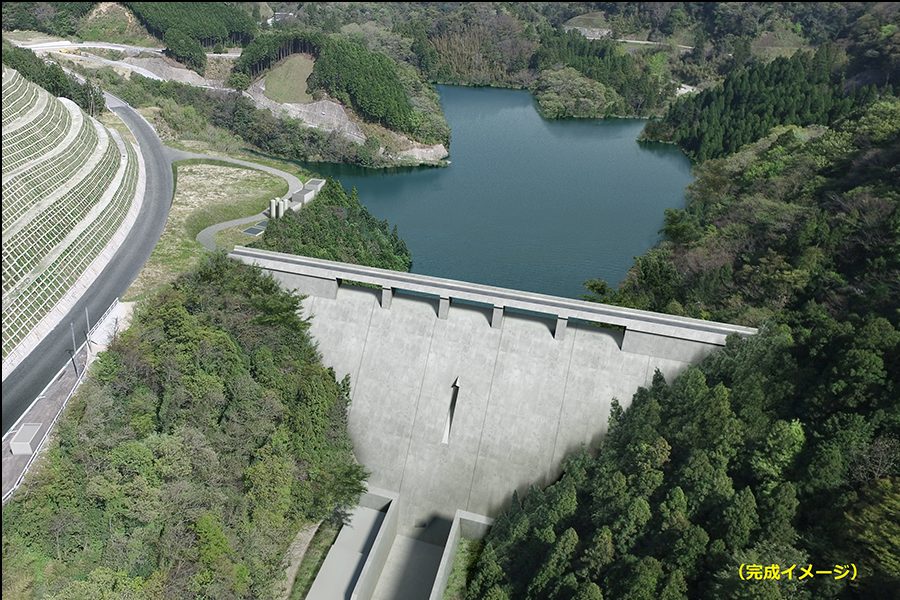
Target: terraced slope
(71,191)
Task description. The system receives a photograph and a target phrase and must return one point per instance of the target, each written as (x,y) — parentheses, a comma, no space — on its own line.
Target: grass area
(467,553)
(234,236)
(313,558)
(287,81)
(782,41)
(26,35)
(206,193)
(596,20)
(112,22)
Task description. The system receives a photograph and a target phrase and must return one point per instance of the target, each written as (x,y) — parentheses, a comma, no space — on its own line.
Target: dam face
(454,414)
(461,393)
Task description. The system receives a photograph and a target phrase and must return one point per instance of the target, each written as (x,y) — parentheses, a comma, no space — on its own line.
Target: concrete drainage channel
(369,560)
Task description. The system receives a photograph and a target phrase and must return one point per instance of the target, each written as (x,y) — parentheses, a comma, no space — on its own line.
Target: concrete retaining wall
(315,185)
(302,198)
(381,548)
(466,525)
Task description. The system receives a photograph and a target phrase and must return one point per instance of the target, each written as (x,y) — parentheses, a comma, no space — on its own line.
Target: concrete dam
(464,393)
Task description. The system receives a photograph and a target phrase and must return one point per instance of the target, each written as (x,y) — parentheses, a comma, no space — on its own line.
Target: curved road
(24,384)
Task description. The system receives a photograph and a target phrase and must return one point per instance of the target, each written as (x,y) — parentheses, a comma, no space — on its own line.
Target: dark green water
(527,203)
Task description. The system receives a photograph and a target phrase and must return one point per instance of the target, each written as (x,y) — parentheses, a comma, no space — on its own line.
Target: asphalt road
(24,384)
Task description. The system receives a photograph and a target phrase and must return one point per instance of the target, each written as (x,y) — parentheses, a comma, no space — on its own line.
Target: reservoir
(527,203)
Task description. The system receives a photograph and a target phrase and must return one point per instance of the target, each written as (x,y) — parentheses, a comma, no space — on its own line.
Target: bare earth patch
(170,70)
(779,42)
(218,67)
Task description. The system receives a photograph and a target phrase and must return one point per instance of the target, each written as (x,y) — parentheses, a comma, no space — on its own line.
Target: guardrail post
(387,293)
(497,317)
(444,307)
(560,331)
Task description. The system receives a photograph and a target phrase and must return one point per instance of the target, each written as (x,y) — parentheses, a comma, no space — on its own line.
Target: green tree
(183,48)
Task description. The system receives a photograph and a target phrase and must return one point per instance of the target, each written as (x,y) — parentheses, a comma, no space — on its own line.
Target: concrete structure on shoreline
(464,393)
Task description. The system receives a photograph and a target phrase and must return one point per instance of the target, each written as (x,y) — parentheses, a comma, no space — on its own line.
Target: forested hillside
(512,44)
(644,81)
(509,44)
(209,23)
(365,80)
(804,89)
(204,438)
(379,57)
(804,215)
(781,449)
(195,113)
(562,93)
(375,85)
(187,28)
(336,226)
(57,18)
(52,78)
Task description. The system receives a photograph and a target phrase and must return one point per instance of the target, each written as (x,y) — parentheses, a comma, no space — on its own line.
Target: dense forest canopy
(338,227)
(270,47)
(204,438)
(781,449)
(804,215)
(208,23)
(645,83)
(804,89)
(58,18)
(564,92)
(366,80)
(185,49)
